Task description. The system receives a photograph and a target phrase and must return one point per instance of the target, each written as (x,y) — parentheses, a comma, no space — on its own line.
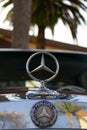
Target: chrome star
(42,66)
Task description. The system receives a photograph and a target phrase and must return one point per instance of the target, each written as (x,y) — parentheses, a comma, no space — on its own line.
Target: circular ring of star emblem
(42,66)
(44,114)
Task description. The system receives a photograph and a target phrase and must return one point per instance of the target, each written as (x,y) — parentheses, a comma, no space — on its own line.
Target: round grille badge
(44,114)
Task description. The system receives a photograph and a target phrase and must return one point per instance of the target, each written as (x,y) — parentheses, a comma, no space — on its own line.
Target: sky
(61,33)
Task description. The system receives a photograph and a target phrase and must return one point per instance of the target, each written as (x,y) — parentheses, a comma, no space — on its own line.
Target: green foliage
(69,107)
(46,13)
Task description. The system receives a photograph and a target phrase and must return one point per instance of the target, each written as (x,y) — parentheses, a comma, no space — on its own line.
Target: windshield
(72,74)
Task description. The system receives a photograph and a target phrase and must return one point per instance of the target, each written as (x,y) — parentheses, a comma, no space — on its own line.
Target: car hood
(71,111)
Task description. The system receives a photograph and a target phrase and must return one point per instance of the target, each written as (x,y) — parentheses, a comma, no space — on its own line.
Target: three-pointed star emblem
(42,66)
(44,113)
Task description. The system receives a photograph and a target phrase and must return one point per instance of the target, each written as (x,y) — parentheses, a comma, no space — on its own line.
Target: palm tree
(21,22)
(71,109)
(46,13)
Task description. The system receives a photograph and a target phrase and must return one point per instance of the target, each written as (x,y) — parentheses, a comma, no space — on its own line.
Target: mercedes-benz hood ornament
(43,66)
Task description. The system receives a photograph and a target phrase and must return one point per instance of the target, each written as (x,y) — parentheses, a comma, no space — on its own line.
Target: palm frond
(7,3)
(9,16)
(48,12)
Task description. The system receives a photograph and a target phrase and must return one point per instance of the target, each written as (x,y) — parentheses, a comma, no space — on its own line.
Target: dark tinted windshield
(72,73)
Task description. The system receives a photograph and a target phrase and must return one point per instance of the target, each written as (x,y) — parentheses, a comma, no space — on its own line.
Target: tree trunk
(21,22)
(40,38)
